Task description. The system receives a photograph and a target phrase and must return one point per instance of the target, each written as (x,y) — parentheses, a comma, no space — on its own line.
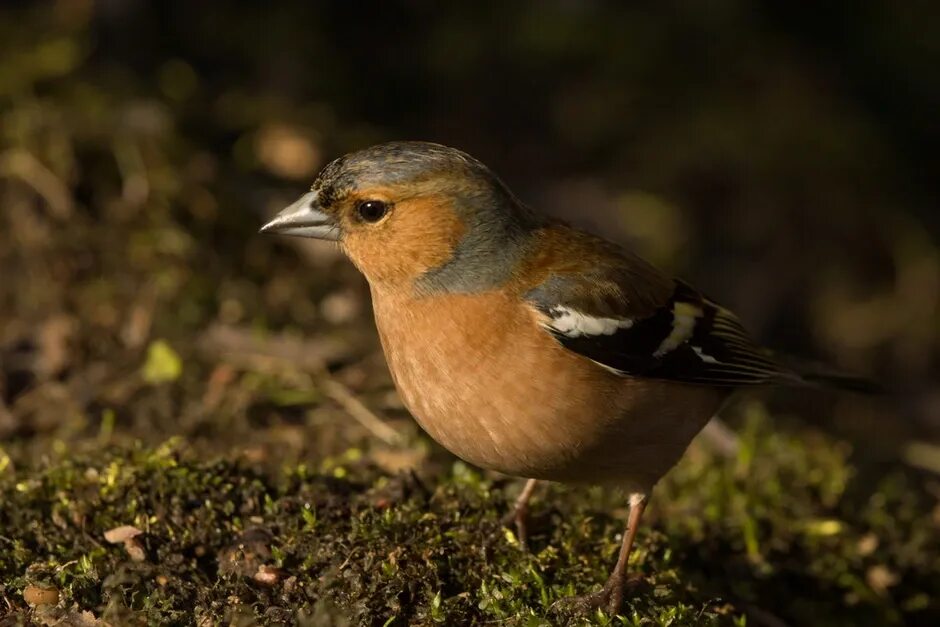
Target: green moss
(773,532)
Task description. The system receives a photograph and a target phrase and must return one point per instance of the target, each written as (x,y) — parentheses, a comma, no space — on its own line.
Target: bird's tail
(821,375)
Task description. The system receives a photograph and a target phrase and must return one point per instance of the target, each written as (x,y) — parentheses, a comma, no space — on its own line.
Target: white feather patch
(683,324)
(576,324)
(708,359)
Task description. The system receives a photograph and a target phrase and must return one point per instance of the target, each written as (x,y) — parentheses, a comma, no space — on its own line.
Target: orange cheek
(419,235)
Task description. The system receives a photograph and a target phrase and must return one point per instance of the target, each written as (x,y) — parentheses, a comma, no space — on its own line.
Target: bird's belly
(503,394)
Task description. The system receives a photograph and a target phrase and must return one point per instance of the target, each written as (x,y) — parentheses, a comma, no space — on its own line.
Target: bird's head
(417,214)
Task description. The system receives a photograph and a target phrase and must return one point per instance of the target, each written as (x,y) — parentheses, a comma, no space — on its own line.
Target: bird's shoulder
(590,273)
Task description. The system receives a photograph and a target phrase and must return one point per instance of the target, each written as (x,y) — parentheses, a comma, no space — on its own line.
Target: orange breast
(485,381)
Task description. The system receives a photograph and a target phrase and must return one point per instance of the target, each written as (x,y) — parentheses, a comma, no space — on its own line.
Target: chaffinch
(524,345)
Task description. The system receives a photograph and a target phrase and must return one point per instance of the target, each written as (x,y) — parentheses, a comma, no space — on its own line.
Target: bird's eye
(372,210)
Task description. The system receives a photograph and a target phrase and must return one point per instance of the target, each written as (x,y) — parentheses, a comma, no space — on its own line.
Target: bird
(524,345)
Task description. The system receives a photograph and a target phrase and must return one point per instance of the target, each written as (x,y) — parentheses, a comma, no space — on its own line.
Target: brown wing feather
(597,276)
(619,311)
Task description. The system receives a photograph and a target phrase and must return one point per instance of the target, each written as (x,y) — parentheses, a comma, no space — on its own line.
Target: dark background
(783,160)
(781,154)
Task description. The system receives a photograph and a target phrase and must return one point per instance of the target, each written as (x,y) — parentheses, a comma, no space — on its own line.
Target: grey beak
(304,218)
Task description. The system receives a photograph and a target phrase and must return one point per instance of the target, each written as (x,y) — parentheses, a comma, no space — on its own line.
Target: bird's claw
(609,598)
(519,518)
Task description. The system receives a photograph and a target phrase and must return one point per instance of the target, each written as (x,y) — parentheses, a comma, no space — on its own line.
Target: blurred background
(785,162)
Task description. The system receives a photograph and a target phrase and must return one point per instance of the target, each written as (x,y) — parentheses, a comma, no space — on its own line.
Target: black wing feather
(688,339)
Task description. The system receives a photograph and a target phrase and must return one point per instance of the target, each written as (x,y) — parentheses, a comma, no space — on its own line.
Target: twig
(242,347)
(24,166)
(245,347)
(357,409)
(720,438)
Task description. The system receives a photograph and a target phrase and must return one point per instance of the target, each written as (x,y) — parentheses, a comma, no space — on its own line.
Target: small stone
(35,595)
(867,544)
(85,619)
(268,575)
(340,307)
(135,549)
(880,578)
(127,535)
(121,534)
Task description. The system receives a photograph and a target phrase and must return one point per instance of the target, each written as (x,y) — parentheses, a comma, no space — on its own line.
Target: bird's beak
(304,218)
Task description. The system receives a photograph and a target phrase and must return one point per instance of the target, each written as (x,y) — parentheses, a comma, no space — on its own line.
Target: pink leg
(520,512)
(610,597)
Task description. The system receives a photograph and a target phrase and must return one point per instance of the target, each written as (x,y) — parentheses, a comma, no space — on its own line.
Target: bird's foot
(519,518)
(609,598)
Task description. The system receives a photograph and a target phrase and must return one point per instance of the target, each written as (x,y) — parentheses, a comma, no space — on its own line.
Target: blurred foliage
(786,163)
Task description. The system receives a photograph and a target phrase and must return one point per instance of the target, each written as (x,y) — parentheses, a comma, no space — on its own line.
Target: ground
(783,532)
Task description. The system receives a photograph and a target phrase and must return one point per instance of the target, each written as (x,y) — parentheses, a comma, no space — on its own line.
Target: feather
(685,338)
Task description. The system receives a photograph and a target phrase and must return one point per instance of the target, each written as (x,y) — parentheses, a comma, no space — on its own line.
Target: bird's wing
(624,315)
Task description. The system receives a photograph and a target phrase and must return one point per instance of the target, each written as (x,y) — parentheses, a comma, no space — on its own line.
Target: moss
(776,531)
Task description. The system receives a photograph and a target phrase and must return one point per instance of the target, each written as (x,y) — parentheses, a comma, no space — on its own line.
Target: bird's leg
(610,597)
(520,512)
